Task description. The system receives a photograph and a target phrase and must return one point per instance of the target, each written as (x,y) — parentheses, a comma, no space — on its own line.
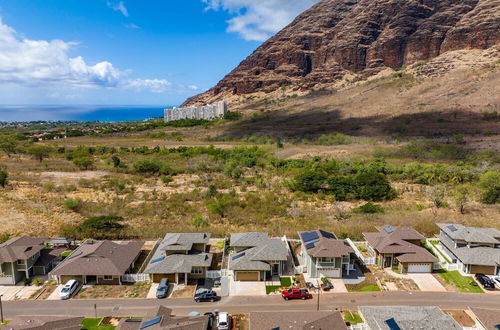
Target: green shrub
(37,281)
(233,115)
(83,163)
(39,152)
(369,208)
(49,187)
(490,182)
(167,179)
(334,139)
(3,178)
(72,204)
(116,161)
(100,227)
(199,221)
(148,166)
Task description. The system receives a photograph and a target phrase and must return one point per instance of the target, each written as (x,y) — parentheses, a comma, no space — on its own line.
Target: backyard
(93,324)
(454,281)
(352,317)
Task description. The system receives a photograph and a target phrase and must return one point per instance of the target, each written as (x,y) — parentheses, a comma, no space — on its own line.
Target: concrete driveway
(17,292)
(244,288)
(427,282)
(55,294)
(338,285)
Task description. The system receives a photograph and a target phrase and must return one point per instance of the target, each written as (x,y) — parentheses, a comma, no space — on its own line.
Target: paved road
(138,307)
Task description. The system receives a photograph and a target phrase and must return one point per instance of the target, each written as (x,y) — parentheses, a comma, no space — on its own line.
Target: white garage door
(419,268)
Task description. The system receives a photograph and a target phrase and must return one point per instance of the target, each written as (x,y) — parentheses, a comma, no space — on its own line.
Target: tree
(8,145)
(148,166)
(437,194)
(39,152)
(84,163)
(490,182)
(199,221)
(3,178)
(461,197)
(116,161)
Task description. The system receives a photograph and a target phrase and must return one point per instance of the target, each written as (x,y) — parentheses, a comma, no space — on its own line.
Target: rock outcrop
(335,38)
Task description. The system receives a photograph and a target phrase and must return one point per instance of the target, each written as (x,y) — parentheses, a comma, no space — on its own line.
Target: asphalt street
(139,307)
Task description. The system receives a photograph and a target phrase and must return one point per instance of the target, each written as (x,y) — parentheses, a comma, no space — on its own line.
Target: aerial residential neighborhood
(254,264)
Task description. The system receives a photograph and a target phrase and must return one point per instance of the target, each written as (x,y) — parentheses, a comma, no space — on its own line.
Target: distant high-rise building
(207,112)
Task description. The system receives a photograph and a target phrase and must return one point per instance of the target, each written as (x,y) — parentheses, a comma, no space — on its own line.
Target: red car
(296,294)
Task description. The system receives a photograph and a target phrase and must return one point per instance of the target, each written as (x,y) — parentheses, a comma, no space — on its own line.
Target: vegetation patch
(462,283)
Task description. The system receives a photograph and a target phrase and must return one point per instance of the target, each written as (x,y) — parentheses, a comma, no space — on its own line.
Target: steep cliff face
(339,37)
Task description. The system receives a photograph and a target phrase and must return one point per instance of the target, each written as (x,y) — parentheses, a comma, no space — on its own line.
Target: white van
(68,289)
(223,321)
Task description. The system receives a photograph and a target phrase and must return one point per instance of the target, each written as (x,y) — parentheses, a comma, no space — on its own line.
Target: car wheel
(212,300)
(286,298)
(303,298)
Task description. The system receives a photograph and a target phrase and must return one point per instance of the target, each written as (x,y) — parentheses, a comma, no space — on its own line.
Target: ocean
(106,113)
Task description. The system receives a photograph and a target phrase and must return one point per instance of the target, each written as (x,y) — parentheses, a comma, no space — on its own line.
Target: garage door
(66,278)
(487,270)
(247,276)
(419,268)
(157,277)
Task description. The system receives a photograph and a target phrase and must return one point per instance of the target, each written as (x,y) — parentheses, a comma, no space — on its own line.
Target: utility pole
(1,309)
(319,292)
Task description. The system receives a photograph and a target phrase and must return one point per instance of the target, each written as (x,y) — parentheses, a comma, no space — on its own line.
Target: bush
(490,182)
(148,166)
(167,179)
(369,208)
(37,281)
(3,178)
(39,152)
(100,227)
(83,163)
(233,115)
(334,139)
(72,204)
(116,161)
(199,221)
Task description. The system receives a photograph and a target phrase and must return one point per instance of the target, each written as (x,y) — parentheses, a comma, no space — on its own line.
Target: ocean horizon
(81,113)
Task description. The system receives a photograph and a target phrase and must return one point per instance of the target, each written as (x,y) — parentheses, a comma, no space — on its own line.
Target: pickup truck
(296,294)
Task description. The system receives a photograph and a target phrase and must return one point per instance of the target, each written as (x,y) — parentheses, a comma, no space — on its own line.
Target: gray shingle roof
(489,318)
(183,241)
(482,256)
(248,239)
(471,234)
(297,321)
(20,248)
(100,258)
(408,317)
(44,322)
(327,245)
(178,263)
(254,258)
(167,321)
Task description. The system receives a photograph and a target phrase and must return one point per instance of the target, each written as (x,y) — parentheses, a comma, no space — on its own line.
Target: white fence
(365,260)
(132,278)
(360,326)
(443,262)
(216,273)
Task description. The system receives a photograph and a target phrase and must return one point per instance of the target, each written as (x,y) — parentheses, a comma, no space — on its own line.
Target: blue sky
(149,52)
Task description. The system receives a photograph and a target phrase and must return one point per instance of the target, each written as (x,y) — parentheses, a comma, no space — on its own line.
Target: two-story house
(17,258)
(324,255)
(257,257)
(400,247)
(474,249)
(180,257)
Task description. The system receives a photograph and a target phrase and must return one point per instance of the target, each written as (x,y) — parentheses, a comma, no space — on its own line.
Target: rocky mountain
(336,39)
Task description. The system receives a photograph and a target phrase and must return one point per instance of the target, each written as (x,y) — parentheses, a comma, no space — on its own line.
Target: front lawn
(352,317)
(272,288)
(93,324)
(462,283)
(285,282)
(367,288)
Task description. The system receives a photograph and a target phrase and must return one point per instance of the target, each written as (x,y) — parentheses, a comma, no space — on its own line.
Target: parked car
(211,317)
(496,280)
(68,289)
(207,295)
(326,285)
(485,281)
(224,321)
(295,293)
(162,290)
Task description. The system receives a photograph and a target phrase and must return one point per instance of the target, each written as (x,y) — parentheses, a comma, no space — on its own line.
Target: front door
(276,269)
(388,262)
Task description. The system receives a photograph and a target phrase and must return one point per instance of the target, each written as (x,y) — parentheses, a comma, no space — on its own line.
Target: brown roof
(394,240)
(20,248)
(45,323)
(489,318)
(297,320)
(48,255)
(100,258)
(167,321)
(326,245)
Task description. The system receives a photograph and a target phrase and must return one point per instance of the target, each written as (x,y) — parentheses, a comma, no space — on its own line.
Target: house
(297,321)
(101,262)
(407,317)
(17,258)
(257,257)
(324,255)
(48,259)
(474,249)
(486,318)
(61,242)
(400,247)
(44,322)
(161,318)
(180,257)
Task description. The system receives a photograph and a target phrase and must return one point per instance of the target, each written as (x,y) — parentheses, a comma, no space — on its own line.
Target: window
(108,277)
(20,262)
(197,270)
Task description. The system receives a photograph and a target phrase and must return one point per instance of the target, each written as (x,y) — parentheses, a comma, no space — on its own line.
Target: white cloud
(120,6)
(257,20)
(41,63)
(132,26)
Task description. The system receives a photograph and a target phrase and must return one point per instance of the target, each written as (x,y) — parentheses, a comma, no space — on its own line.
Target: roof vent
(452,228)
(388,229)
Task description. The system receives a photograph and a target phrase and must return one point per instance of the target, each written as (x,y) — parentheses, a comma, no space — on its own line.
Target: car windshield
(222,323)
(65,289)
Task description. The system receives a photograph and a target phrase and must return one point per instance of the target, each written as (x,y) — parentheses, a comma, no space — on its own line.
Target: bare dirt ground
(461,317)
(137,290)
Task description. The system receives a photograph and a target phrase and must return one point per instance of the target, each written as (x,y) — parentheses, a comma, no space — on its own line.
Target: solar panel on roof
(309,246)
(452,228)
(388,229)
(237,256)
(327,234)
(151,322)
(497,326)
(309,236)
(392,324)
(157,260)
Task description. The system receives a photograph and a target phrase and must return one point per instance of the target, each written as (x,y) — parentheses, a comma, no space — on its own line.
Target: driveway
(338,285)
(244,288)
(152,291)
(17,292)
(55,294)
(427,282)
